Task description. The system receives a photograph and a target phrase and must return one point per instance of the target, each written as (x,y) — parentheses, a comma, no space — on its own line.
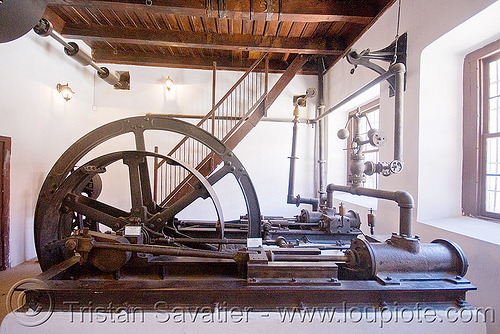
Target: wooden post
(5,149)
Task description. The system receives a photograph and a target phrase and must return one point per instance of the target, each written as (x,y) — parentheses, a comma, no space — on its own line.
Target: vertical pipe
(320,128)
(293,157)
(399,70)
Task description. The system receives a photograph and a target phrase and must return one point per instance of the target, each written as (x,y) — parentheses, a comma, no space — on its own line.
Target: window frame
(475,130)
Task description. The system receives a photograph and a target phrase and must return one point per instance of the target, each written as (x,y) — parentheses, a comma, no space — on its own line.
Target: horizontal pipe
(237,118)
(297,200)
(45,28)
(403,198)
(360,91)
(109,77)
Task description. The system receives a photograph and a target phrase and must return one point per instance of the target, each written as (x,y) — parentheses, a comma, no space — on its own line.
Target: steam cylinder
(367,260)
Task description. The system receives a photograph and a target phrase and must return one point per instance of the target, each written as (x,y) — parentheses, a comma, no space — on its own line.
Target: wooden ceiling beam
(162,60)
(291,10)
(142,36)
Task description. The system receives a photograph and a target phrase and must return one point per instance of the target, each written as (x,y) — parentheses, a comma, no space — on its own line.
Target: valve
(396,166)
(371,220)
(376,137)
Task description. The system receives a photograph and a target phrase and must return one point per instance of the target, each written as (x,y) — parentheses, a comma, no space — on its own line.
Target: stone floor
(11,276)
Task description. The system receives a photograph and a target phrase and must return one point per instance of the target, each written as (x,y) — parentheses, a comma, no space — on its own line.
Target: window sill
(483,230)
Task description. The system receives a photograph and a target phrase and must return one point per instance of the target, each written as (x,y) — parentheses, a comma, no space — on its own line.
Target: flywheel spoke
(95,210)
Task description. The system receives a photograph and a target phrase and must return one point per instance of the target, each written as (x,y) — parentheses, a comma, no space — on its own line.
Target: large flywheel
(65,209)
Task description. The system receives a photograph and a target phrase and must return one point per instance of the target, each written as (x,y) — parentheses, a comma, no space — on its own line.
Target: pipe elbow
(398,68)
(404,199)
(293,200)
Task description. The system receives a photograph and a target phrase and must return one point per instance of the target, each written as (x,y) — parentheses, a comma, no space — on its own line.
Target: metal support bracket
(396,52)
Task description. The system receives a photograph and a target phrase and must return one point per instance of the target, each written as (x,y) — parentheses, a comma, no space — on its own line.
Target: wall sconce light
(169,83)
(65,91)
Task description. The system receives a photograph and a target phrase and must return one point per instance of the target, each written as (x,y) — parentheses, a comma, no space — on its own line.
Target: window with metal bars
(481,165)
(369,119)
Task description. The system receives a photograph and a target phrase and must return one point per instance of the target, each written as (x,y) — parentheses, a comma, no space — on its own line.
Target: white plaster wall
(42,125)
(432,127)
(39,122)
(424,21)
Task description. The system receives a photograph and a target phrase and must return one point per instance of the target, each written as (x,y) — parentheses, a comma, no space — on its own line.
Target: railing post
(155,177)
(214,72)
(266,86)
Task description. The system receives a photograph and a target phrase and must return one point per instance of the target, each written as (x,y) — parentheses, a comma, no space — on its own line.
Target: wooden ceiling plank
(237,26)
(172,20)
(271,28)
(164,20)
(56,17)
(67,11)
(141,17)
(223,63)
(224,26)
(80,16)
(131,20)
(285,29)
(105,18)
(93,16)
(210,25)
(322,28)
(203,40)
(117,18)
(309,29)
(197,24)
(258,28)
(154,21)
(335,29)
(297,29)
(184,23)
(247,27)
(291,10)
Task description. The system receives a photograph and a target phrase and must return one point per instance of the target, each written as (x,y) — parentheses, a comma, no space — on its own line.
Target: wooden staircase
(230,120)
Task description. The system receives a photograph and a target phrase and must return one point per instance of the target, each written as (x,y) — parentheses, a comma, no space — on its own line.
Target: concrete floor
(11,276)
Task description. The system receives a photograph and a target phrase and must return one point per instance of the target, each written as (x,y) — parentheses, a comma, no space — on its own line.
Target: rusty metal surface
(51,226)
(258,294)
(147,255)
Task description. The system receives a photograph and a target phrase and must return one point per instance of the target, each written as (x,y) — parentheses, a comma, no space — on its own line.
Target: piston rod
(162,250)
